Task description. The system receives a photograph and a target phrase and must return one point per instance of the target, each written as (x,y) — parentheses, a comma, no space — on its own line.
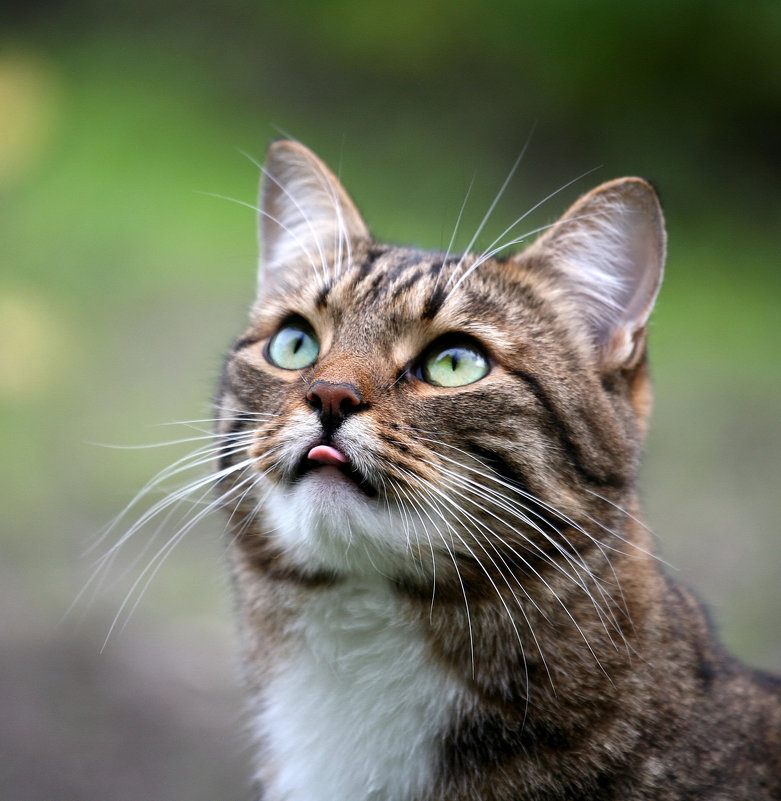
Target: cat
(428,463)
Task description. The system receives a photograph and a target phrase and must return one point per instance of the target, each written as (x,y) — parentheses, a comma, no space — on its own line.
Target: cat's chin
(325,520)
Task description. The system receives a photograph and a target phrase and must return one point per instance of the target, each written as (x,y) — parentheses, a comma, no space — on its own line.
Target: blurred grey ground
(155,716)
(121,285)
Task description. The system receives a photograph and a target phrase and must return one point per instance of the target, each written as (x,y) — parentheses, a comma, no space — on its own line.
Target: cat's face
(404,411)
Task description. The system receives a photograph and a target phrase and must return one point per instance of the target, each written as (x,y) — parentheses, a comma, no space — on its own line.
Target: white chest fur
(355,713)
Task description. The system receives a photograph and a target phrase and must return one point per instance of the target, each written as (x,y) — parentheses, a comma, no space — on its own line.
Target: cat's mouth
(321,457)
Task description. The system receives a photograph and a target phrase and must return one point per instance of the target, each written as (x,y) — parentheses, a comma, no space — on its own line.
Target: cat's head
(400,409)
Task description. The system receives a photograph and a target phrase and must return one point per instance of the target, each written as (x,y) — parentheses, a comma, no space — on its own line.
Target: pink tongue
(325,454)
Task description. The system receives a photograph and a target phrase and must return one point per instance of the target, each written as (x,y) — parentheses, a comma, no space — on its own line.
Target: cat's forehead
(400,279)
(388,287)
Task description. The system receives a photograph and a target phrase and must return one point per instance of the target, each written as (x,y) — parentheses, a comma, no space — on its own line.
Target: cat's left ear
(611,247)
(304,213)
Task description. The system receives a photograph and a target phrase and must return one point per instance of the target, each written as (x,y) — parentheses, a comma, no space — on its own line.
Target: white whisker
(491,208)
(417,508)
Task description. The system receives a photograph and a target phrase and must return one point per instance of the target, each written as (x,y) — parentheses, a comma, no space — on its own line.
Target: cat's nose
(334,402)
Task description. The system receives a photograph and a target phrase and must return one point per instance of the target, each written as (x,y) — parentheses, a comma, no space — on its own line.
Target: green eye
(293,347)
(454,366)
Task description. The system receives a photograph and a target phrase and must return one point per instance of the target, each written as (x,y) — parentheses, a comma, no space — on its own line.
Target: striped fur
(472,610)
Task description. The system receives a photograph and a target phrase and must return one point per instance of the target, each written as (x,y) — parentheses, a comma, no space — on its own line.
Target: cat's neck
(353,703)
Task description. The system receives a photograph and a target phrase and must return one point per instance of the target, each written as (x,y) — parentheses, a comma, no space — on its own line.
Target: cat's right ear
(609,248)
(305,214)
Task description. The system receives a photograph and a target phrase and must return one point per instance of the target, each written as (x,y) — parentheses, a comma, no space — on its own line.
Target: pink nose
(334,402)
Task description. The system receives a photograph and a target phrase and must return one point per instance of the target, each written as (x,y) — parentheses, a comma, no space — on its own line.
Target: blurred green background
(122,280)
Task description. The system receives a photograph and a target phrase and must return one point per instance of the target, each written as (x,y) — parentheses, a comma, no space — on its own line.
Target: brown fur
(590,675)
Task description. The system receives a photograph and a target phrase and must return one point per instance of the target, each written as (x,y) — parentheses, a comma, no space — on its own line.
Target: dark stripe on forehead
(392,262)
(397,273)
(367,263)
(434,303)
(392,272)
(408,283)
(403,262)
(364,267)
(322,297)
(372,292)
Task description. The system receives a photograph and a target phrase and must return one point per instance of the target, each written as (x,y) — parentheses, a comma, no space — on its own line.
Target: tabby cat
(428,462)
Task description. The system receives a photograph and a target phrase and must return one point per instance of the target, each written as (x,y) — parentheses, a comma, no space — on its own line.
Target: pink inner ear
(325,454)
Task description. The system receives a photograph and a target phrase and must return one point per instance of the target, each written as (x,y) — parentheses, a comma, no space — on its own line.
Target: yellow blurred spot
(33,346)
(29,105)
